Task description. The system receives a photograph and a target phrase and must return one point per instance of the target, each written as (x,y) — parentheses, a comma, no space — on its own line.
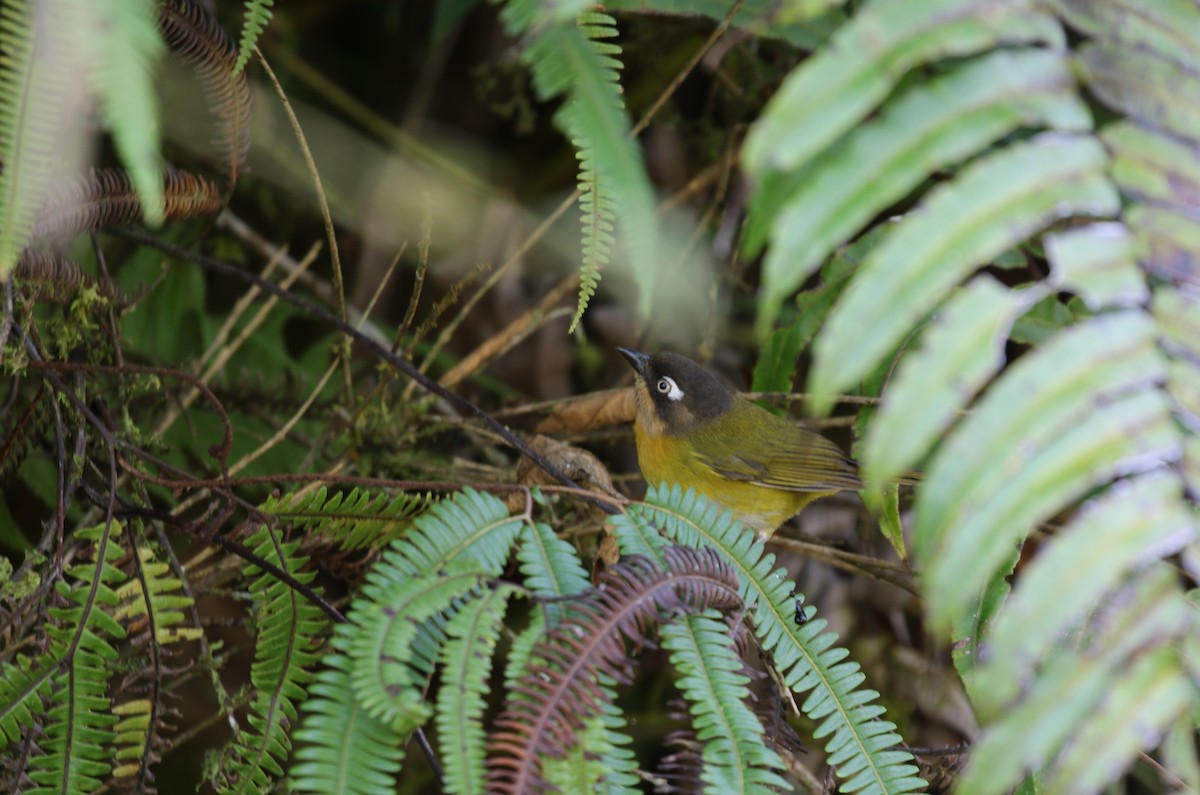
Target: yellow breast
(666,458)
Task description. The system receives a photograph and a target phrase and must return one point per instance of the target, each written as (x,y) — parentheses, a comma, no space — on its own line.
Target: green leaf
(290,628)
(461,700)
(342,749)
(1061,420)
(1041,322)
(1171,27)
(838,87)
(960,351)
(1133,523)
(31,118)
(123,48)
(1144,84)
(736,758)
(1096,263)
(804,654)
(258,14)
(991,206)
(1152,166)
(931,126)
(1073,695)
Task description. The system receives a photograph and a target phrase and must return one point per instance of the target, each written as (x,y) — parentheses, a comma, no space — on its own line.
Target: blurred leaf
(1168,242)
(1171,27)
(962,349)
(931,126)
(759,16)
(1152,166)
(991,206)
(1064,418)
(839,86)
(1133,523)
(1144,84)
(1043,320)
(1085,698)
(775,370)
(1095,262)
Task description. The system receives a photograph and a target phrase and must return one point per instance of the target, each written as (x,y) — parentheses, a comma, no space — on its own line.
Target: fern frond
(25,684)
(387,621)
(992,205)
(106,198)
(467,656)
(258,14)
(596,204)
(932,126)
(195,35)
(551,568)
(859,742)
(735,757)
(472,526)
(76,753)
(1124,666)
(547,708)
(343,749)
(355,520)
(30,117)
(369,700)
(572,59)
(601,761)
(155,596)
(289,630)
(122,48)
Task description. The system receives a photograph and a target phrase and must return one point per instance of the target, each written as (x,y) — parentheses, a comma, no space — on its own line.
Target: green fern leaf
(289,630)
(973,510)
(471,526)
(572,59)
(551,568)
(355,520)
(736,759)
(343,751)
(122,47)
(991,206)
(25,684)
(1125,666)
(804,654)
(387,620)
(602,760)
(30,117)
(461,701)
(964,348)
(258,14)
(932,126)
(76,753)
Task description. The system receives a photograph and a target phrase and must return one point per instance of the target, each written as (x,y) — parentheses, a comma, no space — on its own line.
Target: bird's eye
(668,387)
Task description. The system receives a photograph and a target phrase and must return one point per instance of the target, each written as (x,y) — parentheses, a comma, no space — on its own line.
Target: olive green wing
(758,447)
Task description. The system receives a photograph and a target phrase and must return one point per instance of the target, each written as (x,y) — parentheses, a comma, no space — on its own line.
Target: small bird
(692,431)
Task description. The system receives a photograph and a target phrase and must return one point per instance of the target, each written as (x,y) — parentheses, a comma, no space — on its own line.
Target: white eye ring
(668,387)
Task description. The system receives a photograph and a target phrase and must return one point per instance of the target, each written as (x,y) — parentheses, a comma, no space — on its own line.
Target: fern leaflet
(735,756)
(258,14)
(804,655)
(290,628)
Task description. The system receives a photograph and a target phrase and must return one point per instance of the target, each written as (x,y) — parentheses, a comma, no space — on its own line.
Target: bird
(691,430)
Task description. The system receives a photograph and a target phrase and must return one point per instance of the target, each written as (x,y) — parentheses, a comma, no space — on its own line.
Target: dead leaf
(594,410)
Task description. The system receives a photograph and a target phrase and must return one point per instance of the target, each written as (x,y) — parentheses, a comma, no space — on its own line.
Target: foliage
(239,549)
(1089,412)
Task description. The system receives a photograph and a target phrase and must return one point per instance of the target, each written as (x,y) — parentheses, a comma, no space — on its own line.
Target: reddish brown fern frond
(43,276)
(27,427)
(106,198)
(194,33)
(561,687)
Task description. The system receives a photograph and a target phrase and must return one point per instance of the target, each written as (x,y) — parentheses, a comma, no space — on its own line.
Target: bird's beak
(637,360)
